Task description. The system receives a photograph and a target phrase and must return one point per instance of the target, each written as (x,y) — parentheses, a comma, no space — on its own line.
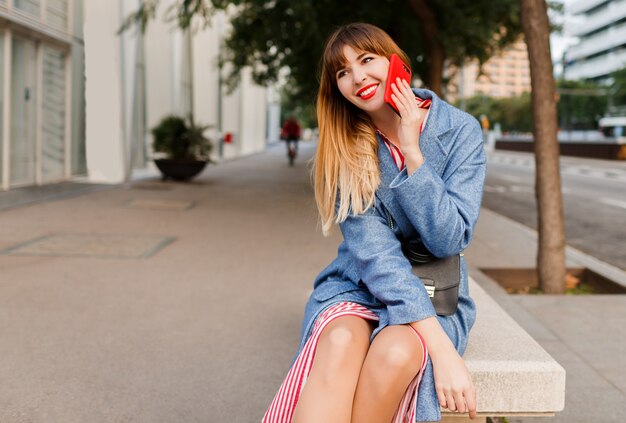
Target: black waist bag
(441,276)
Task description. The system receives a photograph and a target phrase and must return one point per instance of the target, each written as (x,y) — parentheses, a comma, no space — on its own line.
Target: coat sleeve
(383,268)
(444,210)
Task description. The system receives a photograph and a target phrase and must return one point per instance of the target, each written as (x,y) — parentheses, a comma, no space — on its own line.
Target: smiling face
(361,80)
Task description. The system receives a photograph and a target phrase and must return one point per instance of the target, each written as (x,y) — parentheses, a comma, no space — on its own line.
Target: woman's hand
(453,382)
(411,117)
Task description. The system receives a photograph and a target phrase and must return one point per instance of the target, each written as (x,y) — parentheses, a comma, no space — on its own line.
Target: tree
(618,88)
(551,249)
(512,113)
(581,104)
(272,35)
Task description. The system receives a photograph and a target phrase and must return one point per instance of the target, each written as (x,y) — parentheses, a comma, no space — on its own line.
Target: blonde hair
(346,172)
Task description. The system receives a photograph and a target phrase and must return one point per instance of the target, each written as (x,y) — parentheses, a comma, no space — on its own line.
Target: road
(594,198)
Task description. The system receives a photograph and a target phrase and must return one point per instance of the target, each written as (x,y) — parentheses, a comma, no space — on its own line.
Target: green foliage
(581,104)
(304,112)
(140,18)
(179,138)
(272,36)
(618,87)
(512,113)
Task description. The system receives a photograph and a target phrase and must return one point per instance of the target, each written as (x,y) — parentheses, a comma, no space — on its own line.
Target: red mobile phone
(397,69)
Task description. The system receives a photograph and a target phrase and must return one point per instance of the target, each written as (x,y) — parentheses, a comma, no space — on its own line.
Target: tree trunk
(551,251)
(435,68)
(436,54)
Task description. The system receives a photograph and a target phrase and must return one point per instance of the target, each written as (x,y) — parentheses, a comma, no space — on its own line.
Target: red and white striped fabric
(396,154)
(284,403)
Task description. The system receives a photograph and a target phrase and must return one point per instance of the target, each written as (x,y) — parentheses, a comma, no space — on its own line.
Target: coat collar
(437,127)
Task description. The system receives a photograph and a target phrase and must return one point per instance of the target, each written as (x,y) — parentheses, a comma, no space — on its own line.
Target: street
(593,195)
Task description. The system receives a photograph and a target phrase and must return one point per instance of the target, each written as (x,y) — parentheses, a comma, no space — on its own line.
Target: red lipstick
(369,94)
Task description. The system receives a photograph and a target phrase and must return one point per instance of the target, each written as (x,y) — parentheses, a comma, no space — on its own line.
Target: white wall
(253,129)
(103,114)
(111,77)
(205,47)
(159,54)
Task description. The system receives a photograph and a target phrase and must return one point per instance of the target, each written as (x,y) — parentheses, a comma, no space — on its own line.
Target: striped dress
(284,403)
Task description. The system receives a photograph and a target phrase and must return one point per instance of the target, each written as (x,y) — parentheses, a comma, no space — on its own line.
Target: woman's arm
(387,274)
(383,268)
(442,209)
(453,382)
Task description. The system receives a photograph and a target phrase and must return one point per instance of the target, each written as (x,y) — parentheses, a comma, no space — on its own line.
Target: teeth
(368,91)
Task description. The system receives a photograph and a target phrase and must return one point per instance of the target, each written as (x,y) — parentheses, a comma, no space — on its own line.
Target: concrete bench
(512,373)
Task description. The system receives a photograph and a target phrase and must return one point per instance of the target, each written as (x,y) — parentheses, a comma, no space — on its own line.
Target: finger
(412,110)
(450,401)
(470,400)
(459,401)
(406,90)
(401,107)
(442,398)
(407,85)
(399,95)
(402,89)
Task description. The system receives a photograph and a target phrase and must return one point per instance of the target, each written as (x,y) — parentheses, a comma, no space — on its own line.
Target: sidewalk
(163,302)
(585,334)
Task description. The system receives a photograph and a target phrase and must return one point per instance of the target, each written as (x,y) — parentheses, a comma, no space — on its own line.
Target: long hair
(346,173)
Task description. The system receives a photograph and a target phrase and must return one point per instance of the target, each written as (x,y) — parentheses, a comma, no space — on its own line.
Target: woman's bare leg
(329,391)
(393,360)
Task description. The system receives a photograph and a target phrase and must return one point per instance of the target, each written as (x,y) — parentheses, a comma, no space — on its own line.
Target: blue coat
(439,204)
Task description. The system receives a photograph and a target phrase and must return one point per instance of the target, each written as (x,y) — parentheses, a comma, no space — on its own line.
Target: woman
(370,334)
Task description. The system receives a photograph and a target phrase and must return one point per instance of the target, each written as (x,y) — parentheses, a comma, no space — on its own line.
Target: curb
(594,264)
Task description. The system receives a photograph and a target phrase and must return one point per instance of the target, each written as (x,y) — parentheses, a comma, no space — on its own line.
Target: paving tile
(160,204)
(586,406)
(579,374)
(91,245)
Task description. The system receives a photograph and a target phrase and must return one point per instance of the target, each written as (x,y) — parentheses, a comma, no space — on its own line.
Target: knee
(340,353)
(342,341)
(342,347)
(398,354)
(397,358)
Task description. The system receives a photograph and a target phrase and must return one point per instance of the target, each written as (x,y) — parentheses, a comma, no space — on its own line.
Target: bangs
(359,38)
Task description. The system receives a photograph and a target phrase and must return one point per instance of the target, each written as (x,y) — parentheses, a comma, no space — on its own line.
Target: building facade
(42,111)
(78,99)
(600,26)
(136,79)
(504,75)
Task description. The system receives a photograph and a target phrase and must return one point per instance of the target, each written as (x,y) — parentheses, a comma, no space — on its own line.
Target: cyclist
(291,134)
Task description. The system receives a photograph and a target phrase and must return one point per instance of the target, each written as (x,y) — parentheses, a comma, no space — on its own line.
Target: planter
(180,169)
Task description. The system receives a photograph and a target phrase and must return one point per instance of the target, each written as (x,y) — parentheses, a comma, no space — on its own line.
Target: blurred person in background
(291,133)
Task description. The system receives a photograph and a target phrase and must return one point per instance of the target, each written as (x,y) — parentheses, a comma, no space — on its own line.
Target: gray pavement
(165,302)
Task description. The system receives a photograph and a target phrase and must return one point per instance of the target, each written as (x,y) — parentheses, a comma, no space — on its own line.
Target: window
(56,14)
(31,7)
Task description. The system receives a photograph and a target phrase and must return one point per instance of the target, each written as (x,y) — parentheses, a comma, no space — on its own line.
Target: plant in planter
(181,147)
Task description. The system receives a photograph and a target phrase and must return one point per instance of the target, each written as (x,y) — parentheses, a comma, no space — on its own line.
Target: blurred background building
(601,30)
(504,75)
(78,99)
(42,120)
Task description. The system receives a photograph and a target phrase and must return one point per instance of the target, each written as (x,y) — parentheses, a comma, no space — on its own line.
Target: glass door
(23,142)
